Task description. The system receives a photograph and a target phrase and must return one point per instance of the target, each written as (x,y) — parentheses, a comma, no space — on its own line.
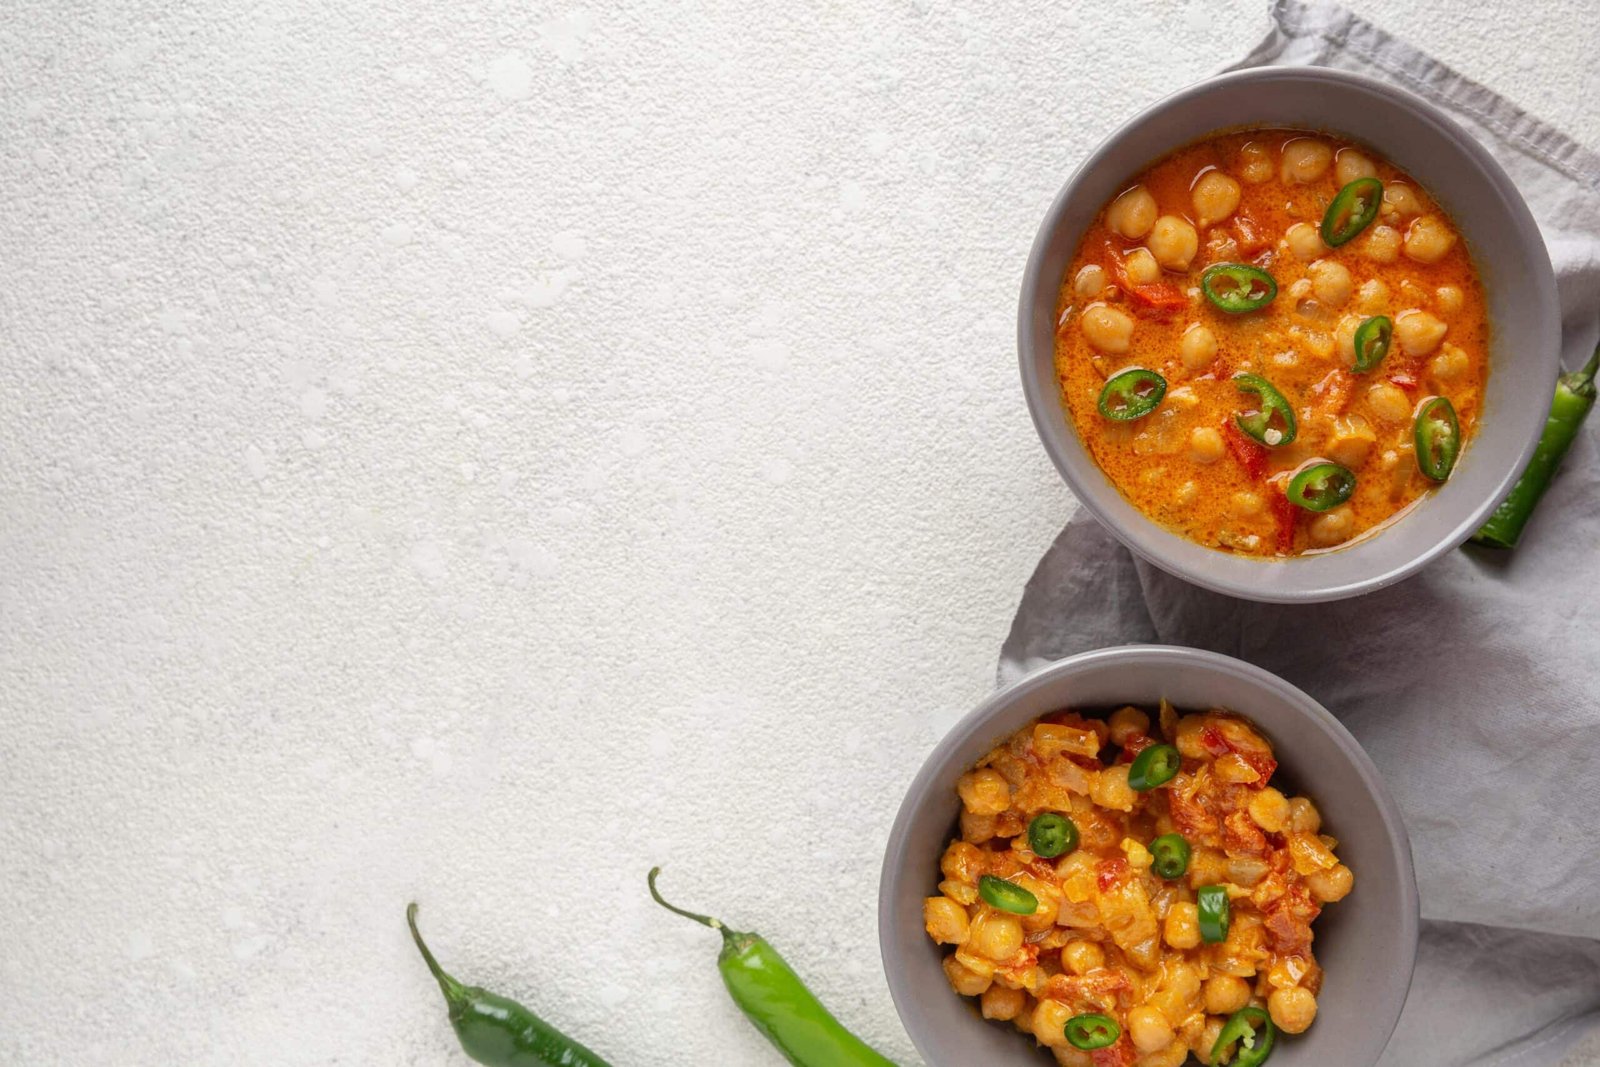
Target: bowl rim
(923,784)
(1269,587)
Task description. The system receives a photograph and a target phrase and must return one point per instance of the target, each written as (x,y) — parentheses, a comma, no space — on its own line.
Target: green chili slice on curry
(1238,288)
(1133,394)
(1352,210)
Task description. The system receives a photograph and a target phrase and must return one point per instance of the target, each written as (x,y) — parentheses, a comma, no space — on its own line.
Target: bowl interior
(1366,943)
(1490,214)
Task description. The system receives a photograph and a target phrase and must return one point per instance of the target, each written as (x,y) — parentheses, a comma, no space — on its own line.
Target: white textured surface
(473,455)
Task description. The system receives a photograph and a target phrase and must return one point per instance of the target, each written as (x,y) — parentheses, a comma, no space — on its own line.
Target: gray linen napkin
(1475,686)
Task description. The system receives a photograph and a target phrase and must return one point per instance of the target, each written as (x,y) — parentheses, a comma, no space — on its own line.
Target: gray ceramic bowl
(1367,942)
(1462,177)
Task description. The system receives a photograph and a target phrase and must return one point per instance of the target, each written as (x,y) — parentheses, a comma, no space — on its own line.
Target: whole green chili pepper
(773,998)
(1575,395)
(498,1031)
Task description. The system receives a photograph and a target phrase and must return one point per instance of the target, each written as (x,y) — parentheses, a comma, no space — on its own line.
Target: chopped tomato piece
(1159,300)
(1241,837)
(1111,872)
(1252,235)
(1136,744)
(1286,514)
(1120,1054)
(1214,742)
(1406,382)
(1251,454)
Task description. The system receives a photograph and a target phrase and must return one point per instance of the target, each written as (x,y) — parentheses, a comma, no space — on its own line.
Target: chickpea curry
(1273,342)
(1130,892)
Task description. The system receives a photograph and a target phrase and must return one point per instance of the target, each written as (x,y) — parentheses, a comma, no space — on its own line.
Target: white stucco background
(472,453)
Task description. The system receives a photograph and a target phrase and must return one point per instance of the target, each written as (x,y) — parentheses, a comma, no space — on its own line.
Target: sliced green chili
(1238,287)
(1170,856)
(1575,395)
(1154,766)
(1372,342)
(1007,896)
(496,1030)
(1321,486)
(1253,1029)
(1272,422)
(1132,394)
(1352,210)
(1438,438)
(1212,902)
(1051,835)
(1092,1031)
(775,1000)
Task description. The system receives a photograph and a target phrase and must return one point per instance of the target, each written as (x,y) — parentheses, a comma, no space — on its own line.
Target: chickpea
(1372,297)
(1330,282)
(1449,365)
(945,920)
(1304,160)
(1001,1003)
(1332,527)
(1090,282)
(1198,347)
(1400,201)
(995,935)
(1127,723)
(1381,244)
(1226,994)
(1255,163)
(1050,1022)
(1182,928)
(963,979)
(1149,1029)
(1388,402)
(1303,816)
(1215,197)
(1269,809)
(977,827)
(1205,445)
(1344,338)
(1292,1009)
(1067,1056)
(1188,493)
(1109,788)
(1132,213)
(1449,299)
(1417,332)
(984,791)
(1332,884)
(1081,957)
(1305,242)
(1246,504)
(1106,328)
(1349,164)
(1429,239)
(1173,242)
(962,862)
(1142,267)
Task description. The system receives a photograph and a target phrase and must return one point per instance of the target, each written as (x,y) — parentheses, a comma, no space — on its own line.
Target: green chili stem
(453,990)
(1582,380)
(703,920)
